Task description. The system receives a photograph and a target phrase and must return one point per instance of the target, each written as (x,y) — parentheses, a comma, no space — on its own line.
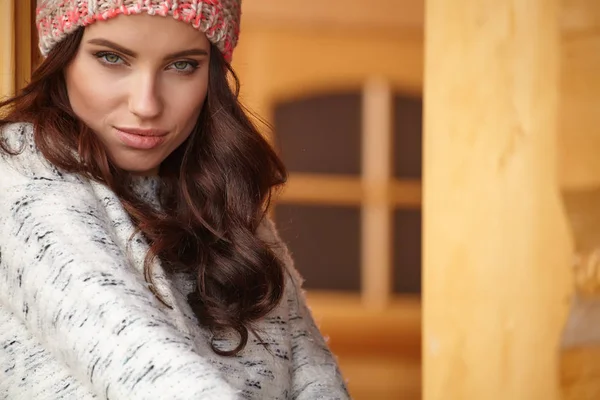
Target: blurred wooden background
(341,84)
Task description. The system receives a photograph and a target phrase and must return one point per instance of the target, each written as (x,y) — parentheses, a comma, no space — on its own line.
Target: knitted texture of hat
(218,19)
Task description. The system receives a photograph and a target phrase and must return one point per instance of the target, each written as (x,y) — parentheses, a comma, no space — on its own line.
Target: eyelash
(101,56)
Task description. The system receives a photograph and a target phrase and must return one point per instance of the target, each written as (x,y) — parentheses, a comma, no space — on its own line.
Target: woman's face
(139,82)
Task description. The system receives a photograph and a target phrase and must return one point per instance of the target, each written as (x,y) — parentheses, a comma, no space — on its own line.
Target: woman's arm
(28,370)
(72,288)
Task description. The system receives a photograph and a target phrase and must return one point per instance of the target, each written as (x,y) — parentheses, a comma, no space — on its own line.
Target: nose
(144,99)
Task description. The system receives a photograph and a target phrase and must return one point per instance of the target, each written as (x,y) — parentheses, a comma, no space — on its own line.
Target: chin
(139,169)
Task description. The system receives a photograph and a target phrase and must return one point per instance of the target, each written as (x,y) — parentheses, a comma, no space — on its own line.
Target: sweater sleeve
(68,293)
(315,371)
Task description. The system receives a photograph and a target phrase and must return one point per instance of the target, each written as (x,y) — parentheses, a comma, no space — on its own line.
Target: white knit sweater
(77,320)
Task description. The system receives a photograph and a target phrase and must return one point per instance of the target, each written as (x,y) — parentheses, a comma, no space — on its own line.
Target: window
(354,192)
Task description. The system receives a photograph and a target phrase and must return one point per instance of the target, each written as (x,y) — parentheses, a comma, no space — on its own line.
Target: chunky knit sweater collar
(79,321)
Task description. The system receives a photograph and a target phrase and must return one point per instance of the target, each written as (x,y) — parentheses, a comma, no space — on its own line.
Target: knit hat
(219,20)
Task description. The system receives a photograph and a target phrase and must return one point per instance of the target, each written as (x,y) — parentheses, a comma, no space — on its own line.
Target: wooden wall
(17,44)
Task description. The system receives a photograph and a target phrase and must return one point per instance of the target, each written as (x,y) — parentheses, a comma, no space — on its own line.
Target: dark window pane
(325,244)
(320,134)
(407,251)
(408,123)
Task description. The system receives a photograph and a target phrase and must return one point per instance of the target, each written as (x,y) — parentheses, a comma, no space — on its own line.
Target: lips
(141,139)
(144,132)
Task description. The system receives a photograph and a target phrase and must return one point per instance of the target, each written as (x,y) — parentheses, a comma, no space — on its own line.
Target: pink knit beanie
(218,19)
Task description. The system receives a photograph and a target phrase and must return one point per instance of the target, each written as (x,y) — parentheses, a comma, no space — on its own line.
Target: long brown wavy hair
(215,191)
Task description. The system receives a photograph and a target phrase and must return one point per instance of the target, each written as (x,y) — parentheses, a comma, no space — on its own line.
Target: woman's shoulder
(17,135)
(21,160)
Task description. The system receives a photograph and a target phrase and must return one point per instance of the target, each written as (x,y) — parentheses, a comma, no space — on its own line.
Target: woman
(136,258)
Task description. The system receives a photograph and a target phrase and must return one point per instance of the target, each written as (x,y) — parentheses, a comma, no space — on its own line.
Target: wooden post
(496,244)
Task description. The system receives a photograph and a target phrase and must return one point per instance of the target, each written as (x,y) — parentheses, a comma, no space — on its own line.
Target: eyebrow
(131,53)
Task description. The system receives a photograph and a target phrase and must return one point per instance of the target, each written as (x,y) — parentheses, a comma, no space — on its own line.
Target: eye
(185,66)
(108,58)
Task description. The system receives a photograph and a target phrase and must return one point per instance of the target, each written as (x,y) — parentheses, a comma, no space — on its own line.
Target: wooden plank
(344,190)
(377,230)
(405,193)
(335,14)
(322,189)
(580,373)
(379,351)
(280,65)
(580,84)
(394,331)
(580,17)
(382,378)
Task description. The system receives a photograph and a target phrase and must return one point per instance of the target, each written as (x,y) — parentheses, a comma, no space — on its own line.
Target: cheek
(185,104)
(91,95)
